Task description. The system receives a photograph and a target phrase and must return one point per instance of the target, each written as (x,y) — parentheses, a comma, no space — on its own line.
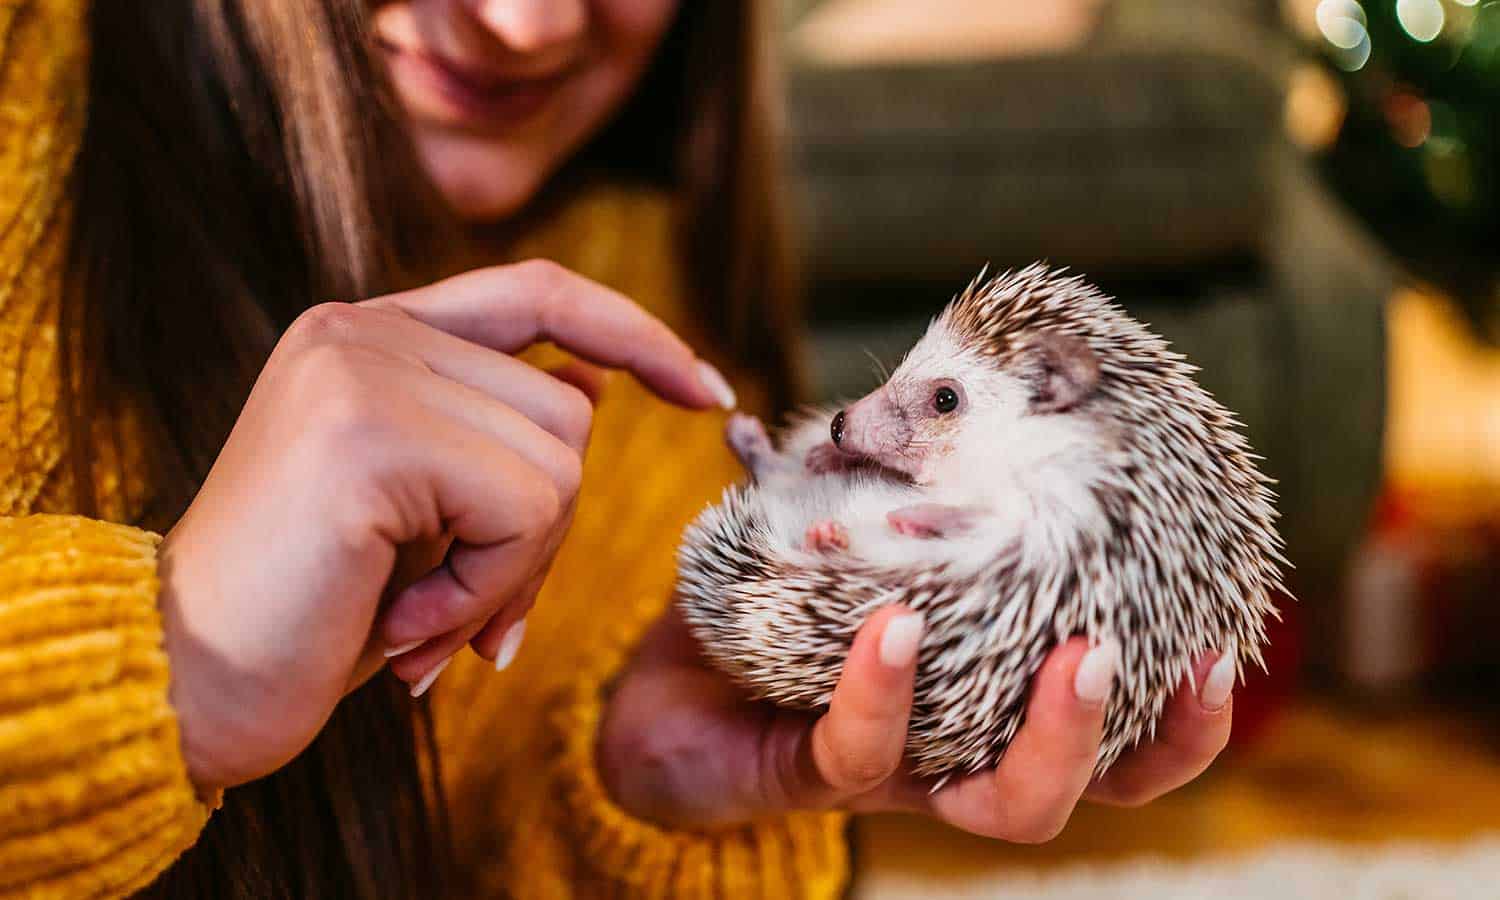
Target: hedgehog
(1040,465)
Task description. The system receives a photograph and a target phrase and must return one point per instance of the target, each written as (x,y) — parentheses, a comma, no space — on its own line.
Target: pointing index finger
(508,308)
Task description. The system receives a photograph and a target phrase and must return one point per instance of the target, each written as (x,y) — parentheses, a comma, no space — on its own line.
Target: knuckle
(1037,826)
(543,507)
(1132,796)
(569,476)
(575,417)
(541,272)
(1038,816)
(863,772)
(325,322)
(855,767)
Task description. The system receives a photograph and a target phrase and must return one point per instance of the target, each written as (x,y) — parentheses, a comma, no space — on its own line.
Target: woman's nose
(530,26)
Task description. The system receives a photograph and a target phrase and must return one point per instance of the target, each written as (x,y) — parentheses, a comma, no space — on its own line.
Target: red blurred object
(1263,694)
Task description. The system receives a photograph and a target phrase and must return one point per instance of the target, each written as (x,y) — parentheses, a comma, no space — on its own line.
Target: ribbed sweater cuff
(802,855)
(94,794)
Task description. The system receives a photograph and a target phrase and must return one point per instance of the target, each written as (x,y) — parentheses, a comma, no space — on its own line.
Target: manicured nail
(1096,672)
(510,644)
(421,687)
(898,645)
(398,650)
(716,384)
(1218,684)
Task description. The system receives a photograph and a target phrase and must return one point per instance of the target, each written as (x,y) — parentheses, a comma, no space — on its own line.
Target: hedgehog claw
(827,535)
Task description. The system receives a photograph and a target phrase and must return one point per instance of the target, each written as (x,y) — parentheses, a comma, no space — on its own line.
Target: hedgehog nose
(837,429)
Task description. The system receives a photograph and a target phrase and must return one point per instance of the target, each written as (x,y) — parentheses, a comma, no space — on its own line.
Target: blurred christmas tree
(1418,153)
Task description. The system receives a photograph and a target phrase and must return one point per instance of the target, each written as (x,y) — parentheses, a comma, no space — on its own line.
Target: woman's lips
(474,98)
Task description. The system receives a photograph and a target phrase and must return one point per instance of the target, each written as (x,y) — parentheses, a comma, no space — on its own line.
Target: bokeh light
(1422,19)
(1409,118)
(1315,108)
(1344,26)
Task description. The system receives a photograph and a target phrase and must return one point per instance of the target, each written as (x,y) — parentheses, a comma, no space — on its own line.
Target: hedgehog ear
(1065,371)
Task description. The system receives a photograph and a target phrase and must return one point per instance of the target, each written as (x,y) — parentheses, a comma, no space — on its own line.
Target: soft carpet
(1407,871)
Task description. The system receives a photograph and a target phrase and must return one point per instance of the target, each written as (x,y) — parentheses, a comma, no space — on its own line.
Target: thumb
(859,742)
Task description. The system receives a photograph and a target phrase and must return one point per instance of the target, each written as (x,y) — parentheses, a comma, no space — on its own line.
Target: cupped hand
(399,429)
(681,746)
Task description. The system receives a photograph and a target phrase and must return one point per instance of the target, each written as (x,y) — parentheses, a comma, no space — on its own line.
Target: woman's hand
(398,429)
(679,745)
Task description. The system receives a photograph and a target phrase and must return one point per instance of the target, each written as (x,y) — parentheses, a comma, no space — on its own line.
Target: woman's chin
(484,210)
(482,185)
(486,203)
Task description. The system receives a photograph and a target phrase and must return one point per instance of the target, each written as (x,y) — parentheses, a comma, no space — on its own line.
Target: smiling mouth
(471,96)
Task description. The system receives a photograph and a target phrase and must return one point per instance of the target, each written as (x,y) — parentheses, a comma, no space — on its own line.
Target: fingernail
(421,687)
(1096,672)
(510,644)
(716,384)
(1218,684)
(402,648)
(898,645)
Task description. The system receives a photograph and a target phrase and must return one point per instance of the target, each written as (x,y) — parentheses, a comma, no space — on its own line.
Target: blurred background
(1305,197)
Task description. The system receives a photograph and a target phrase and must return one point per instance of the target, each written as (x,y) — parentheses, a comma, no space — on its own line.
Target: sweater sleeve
(94,795)
(801,855)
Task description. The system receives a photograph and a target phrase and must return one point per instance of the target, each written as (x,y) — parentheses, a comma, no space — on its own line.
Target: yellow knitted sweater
(94,795)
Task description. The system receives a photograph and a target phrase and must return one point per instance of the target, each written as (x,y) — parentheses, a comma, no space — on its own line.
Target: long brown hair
(243,160)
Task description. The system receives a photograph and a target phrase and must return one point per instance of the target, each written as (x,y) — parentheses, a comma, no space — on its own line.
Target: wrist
(186,673)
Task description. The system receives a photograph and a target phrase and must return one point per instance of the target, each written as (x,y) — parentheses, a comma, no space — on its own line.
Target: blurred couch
(1148,155)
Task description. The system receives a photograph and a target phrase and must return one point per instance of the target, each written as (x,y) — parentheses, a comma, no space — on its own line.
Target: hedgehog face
(954,404)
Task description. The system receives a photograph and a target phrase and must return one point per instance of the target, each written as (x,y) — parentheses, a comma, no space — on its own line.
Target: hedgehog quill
(1040,465)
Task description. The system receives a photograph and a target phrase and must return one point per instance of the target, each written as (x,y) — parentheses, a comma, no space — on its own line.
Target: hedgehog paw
(827,535)
(747,437)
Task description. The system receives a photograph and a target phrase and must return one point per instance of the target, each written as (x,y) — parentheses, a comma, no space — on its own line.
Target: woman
(351,493)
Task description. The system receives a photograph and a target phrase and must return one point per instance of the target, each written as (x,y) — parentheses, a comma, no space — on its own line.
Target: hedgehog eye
(945,400)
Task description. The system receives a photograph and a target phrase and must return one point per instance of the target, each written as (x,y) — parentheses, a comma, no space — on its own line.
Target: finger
(561,461)
(1030,795)
(589,379)
(500,639)
(501,511)
(1191,734)
(858,743)
(412,562)
(421,667)
(555,404)
(507,308)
